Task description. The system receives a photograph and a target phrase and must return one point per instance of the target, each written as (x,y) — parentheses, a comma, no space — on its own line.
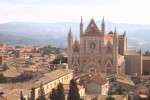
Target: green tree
(53,95)
(59,58)
(60,92)
(120,90)
(3,79)
(73,91)
(5,67)
(110,98)
(21,96)
(41,93)
(18,47)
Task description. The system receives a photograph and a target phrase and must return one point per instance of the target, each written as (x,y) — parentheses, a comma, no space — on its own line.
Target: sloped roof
(11,73)
(131,53)
(92,28)
(15,94)
(124,80)
(108,36)
(97,79)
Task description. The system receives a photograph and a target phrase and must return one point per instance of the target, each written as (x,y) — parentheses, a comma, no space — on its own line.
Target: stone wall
(121,45)
(133,64)
(146,67)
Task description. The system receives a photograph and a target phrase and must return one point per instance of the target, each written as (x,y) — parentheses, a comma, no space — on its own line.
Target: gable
(108,64)
(92,29)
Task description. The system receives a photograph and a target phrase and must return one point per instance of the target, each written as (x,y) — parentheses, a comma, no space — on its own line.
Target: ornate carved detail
(92,28)
(108,63)
(109,49)
(75,62)
(92,60)
(76,46)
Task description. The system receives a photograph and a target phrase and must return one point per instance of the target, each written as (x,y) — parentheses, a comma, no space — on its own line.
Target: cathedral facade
(97,52)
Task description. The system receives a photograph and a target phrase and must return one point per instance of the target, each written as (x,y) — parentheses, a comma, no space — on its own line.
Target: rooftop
(15,94)
(108,36)
(125,80)
(47,78)
(146,58)
(11,73)
(131,53)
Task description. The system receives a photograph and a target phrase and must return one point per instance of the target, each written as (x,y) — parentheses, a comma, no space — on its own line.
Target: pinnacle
(103,22)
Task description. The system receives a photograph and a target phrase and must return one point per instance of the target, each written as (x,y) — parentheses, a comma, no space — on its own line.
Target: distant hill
(27,33)
(16,40)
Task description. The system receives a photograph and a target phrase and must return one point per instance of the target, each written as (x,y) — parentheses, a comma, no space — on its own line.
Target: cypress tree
(73,91)
(60,92)
(41,93)
(21,96)
(53,95)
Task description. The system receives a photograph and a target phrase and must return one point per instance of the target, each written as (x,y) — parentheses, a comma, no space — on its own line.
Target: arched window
(92,71)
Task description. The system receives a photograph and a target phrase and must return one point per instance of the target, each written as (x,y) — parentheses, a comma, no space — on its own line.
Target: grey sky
(121,11)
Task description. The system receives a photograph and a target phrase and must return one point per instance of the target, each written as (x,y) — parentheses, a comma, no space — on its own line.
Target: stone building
(100,53)
(146,63)
(49,81)
(97,52)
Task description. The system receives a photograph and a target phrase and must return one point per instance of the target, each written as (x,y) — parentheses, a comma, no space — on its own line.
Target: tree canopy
(60,92)
(73,91)
(41,93)
(3,79)
(53,95)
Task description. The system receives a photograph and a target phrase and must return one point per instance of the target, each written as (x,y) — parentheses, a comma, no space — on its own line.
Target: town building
(14,94)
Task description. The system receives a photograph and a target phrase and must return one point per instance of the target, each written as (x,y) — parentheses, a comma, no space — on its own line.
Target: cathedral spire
(70,36)
(103,27)
(103,22)
(115,31)
(76,41)
(115,43)
(124,42)
(70,33)
(124,34)
(81,27)
(81,21)
(70,40)
(140,52)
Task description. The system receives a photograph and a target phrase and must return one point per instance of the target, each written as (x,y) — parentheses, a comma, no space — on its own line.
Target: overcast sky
(121,11)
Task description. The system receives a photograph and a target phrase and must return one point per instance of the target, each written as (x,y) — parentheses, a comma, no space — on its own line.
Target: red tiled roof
(108,36)
(97,79)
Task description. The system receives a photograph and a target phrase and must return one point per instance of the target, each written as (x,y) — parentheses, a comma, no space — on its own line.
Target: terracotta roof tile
(15,94)
(97,79)
(108,36)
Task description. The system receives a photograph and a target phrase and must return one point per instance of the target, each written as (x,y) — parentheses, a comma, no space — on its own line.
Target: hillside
(55,34)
